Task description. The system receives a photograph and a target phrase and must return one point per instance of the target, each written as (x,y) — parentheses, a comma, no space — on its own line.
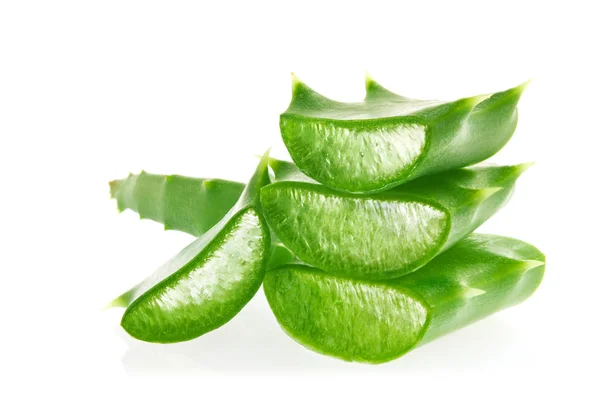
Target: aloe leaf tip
(522,87)
(369,81)
(121,301)
(528,265)
(295,80)
(298,86)
(306,98)
(114,188)
(522,167)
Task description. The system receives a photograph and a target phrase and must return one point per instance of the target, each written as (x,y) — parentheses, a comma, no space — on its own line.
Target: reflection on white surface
(253,343)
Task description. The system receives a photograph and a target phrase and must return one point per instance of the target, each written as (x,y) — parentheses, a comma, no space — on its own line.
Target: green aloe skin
(181,203)
(389,139)
(375,322)
(208,282)
(384,235)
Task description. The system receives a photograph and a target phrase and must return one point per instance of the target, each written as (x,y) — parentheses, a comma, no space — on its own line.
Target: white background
(91,90)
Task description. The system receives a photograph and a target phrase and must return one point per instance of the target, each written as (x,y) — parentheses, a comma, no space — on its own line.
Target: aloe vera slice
(376,322)
(388,139)
(389,234)
(208,282)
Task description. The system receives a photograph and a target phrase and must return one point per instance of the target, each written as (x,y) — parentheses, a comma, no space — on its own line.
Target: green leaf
(208,282)
(186,204)
(388,139)
(376,322)
(181,203)
(388,234)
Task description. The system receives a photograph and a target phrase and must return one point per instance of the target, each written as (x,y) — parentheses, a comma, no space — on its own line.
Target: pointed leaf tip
(531,264)
(264,160)
(517,91)
(114,187)
(373,87)
(376,90)
(121,301)
(522,167)
(264,165)
(297,85)
(304,96)
(521,88)
(295,80)
(369,81)
(259,179)
(262,169)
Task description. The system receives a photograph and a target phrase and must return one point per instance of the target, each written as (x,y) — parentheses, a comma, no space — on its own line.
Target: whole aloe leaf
(208,282)
(389,234)
(376,322)
(388,139)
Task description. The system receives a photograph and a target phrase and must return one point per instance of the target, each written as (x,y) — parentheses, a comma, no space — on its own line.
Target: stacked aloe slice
(364,244)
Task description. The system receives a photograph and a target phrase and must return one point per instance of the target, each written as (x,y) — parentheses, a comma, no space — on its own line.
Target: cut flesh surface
(372,155)
(376,322)
(353,320)
(205,292)
(365,236)
(385,235)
